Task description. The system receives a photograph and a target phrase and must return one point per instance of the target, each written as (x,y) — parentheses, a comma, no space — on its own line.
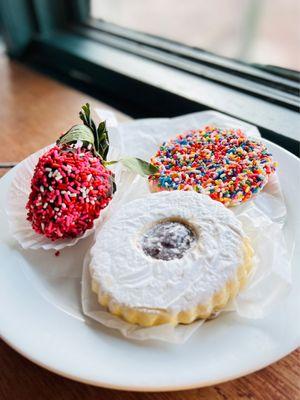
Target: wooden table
(34,110)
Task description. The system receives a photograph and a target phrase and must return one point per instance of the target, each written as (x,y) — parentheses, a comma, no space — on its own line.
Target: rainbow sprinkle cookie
(222,163)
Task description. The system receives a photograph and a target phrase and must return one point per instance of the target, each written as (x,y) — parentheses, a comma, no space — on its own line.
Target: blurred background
(255,31)
(152,58)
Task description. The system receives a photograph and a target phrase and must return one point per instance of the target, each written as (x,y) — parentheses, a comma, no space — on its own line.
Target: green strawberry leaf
(98,138)
(101,141)
(107,163)
(139,166)
(77,132)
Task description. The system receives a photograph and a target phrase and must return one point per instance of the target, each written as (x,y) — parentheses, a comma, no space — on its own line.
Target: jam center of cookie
(168,240)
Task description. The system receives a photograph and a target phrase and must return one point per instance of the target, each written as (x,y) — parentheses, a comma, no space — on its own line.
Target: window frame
(57,36)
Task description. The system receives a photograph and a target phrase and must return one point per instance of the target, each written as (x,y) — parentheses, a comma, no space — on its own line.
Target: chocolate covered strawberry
(71,184)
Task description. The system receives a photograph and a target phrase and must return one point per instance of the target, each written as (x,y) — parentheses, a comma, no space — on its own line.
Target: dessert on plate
(223,163)
(71,183)
(169,257)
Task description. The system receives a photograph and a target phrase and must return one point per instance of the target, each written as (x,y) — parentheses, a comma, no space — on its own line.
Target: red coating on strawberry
(69,189)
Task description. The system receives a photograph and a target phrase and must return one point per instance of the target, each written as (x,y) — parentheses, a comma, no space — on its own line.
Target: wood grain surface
(34,110)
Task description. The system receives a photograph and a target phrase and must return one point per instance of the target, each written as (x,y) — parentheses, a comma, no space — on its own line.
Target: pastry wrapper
(263,220)
(262,217)
(17,198)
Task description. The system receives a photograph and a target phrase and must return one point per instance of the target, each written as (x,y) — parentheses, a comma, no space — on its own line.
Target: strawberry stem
(97,138)
(101,141)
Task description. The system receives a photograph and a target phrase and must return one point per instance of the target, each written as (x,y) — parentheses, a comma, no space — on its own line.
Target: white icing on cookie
(132,278)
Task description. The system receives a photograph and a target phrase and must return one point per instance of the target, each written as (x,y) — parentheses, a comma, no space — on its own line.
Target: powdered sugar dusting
(134,279)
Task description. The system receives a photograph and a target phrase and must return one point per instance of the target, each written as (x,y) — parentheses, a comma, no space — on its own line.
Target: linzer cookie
(169,257)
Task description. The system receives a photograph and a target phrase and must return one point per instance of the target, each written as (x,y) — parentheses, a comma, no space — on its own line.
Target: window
(134,63)
(255,31)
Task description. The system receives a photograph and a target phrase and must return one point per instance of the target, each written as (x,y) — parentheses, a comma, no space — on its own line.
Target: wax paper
(262,218)
(19,192)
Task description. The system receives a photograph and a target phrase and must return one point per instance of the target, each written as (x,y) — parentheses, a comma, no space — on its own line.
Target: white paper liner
(262,217)
(93,309)
(141,138)
(270,277)
(263,220)
(19,191)
(18,194)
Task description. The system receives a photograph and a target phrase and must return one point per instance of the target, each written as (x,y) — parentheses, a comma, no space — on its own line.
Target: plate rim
(158,388)
(154,388)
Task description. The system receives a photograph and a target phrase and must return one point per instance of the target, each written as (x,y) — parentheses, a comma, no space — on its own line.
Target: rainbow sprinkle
(222,163)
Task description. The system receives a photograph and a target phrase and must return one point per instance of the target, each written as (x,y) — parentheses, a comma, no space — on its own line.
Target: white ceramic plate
(41,318)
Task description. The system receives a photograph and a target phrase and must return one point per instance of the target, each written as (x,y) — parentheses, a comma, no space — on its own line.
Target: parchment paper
(19,191)
(262,218)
